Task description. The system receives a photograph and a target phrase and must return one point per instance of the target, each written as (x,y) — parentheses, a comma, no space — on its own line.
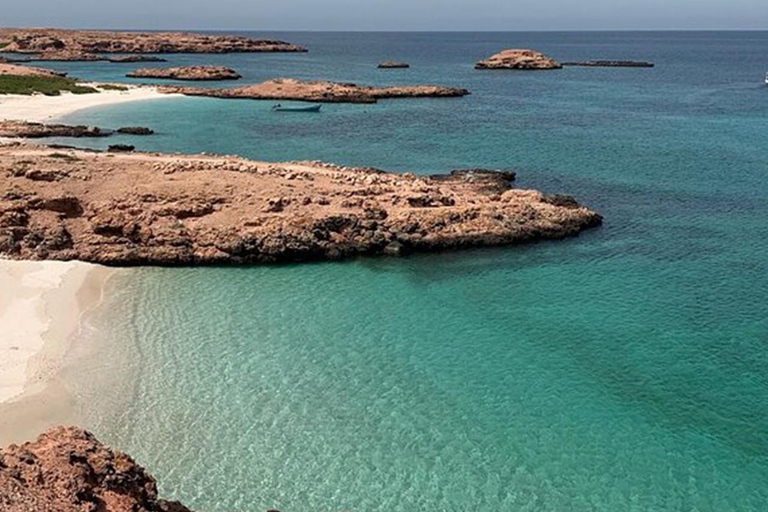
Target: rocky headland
(318,92)
(193,73)
(519,59)
(139,208)
(394,65)
(31,40)
(67,469)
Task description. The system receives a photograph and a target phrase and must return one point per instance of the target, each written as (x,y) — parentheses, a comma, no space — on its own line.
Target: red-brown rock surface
(134,209)
(68,470)
(318,92)
(518,59)
(98,41)
(187,73)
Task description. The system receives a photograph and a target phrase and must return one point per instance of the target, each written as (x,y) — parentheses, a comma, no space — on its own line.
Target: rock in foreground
(187,73)
(519,59)
(30,40)
(68,470)
(138,209)
(318,92)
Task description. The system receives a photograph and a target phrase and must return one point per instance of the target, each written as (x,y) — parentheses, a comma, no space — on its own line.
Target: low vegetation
(112,87)
(48,85)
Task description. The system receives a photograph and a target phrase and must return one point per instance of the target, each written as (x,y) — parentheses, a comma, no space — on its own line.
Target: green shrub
(48,85)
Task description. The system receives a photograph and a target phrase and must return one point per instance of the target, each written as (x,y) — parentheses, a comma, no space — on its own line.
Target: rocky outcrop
(66,55)
(394,65)
(25,129)
(124,59)
(97,41)
(318,92)
(194,73)
(519,59)
(68,470)
(135,130)
(173,210)
(611,64)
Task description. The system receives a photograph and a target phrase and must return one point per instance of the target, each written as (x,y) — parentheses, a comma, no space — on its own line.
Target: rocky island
(61,44)
(192,73)
(319,92)
(154,209)
(68,470)
(394,65)
(519,59)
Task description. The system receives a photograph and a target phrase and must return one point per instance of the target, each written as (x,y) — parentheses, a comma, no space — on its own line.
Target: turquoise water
(621,370)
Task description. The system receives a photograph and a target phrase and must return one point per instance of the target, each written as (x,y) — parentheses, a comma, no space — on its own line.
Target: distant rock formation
(153,209)
(519,59)
(98,41)
(68,470)
(394,65)
(611,64)
(319,92)
(194,73)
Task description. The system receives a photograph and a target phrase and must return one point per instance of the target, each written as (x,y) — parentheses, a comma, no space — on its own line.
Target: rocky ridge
(138,208)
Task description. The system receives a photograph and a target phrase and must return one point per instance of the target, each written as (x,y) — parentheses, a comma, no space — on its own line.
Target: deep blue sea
(623,370)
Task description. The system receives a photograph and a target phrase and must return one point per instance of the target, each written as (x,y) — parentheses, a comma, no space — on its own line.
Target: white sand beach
(40,308)
(40,108)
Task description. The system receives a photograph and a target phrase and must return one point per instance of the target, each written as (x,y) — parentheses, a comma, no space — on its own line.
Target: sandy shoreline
(39,108)
(41,306)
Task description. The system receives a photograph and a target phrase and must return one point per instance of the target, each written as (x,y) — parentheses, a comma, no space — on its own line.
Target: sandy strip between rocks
(38,108)
(41,306)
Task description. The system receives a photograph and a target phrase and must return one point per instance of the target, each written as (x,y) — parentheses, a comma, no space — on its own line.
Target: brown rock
(24,129)
(68,470)
(518,59)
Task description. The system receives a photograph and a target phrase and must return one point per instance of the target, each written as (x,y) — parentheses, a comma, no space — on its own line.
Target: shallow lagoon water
(621,370)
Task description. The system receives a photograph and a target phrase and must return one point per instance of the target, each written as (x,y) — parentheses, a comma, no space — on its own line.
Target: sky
(448,15)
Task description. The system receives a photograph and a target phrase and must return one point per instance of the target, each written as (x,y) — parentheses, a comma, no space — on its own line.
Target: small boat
(766,79)
(311,108)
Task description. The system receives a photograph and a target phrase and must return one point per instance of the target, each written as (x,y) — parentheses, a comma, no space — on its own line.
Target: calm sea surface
(624,370)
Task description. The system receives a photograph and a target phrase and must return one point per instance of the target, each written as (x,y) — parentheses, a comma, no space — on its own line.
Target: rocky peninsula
(68,470)
(141,209)
(318,92)
(519,59)
(76,43)
(193,73)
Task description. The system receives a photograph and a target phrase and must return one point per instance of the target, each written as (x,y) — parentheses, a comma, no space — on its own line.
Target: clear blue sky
(501,15)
